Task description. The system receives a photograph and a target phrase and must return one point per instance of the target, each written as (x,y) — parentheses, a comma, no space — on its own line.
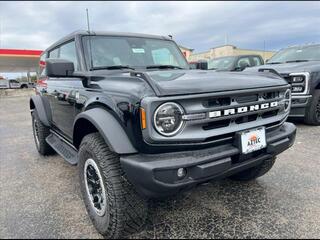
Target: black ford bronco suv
(139,123)
(300,66)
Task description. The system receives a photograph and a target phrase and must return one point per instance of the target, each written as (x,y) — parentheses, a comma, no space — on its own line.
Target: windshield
(132,52)
(224,63)
(306,53)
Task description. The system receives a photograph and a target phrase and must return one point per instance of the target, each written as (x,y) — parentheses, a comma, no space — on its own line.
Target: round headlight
(168,119)
(287,100)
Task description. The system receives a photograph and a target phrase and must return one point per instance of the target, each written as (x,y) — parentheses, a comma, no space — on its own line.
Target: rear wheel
(255,172)
(112,203)
(313,111)
(40,133)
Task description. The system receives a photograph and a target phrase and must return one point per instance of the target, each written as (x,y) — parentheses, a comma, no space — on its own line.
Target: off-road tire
(126,211)
(43,132)
(255,172)
(312,116)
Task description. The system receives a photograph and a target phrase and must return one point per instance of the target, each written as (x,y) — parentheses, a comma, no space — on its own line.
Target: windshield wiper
(212,68)
(114,67)
(274,63)
(292,61)
(163,66)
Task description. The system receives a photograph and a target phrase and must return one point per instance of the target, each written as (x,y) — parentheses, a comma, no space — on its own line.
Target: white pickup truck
(12,83)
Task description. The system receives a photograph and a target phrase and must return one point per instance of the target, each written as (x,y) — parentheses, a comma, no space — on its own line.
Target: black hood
(181,82)
(286,68)
(178,82)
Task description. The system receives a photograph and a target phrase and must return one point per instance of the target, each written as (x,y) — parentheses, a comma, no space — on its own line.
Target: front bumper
(299,104)
(155,175)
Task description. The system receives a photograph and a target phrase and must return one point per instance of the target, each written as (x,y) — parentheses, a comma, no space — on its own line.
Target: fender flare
(109,128)
(43,110)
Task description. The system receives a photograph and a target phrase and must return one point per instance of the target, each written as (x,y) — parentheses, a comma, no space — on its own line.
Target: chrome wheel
(95,187)
(36,132)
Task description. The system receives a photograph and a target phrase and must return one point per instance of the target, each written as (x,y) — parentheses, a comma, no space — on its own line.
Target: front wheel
(113,205)
(255,172)
(313,111)
(40,133)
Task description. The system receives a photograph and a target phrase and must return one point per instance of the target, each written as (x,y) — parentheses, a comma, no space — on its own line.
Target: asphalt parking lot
(40,197)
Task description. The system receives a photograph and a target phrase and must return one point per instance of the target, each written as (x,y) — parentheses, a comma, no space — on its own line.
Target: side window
(54,53)
(68,52)
(163,56)
(242,62)
(256,61)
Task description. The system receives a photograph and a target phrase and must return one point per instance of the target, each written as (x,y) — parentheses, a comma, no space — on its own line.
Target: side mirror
(59,68)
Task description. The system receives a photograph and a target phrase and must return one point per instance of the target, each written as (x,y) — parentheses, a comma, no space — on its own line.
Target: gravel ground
(40,197)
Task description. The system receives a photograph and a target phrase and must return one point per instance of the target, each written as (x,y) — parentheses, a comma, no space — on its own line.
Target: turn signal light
(143,118)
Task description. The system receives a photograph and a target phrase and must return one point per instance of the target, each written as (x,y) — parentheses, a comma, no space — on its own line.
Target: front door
(63,92)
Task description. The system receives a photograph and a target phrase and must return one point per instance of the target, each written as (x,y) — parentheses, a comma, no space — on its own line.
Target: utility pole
(88,23)
(225,39)
(264,49)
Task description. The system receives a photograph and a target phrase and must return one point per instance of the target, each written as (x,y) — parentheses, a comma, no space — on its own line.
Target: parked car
(193,65)
(300,66)
(200,64)
(139,123)
(234,63)
(12,83)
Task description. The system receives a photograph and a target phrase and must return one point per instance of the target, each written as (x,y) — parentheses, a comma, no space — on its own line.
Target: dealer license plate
(253,140)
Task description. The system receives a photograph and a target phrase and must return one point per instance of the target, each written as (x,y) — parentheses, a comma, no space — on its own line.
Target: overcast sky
(198,25)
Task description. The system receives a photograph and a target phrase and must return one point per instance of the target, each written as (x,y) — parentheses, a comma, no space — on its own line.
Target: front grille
(271,95)
(209,122)
(221,126)
(246,99)
(248,118)
(217,124)
(270,114)
(225,138)
(217,102)
(238,101)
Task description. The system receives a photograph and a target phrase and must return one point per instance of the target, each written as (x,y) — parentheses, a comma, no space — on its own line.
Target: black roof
(105,33)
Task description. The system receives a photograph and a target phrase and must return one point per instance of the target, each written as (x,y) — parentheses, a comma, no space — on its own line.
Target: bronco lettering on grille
(233,111)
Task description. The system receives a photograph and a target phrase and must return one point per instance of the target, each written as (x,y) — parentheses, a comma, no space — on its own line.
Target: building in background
(186,51)
(18,61)
(228,50)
